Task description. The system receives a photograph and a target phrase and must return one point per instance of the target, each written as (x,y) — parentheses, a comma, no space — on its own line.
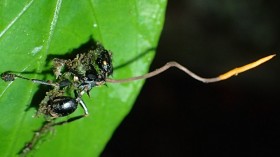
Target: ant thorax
(94,66)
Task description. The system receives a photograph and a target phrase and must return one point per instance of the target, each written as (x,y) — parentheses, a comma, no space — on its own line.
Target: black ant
(80,75)
(75,77)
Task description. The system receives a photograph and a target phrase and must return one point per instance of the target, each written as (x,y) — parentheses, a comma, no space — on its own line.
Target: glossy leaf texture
(32,30)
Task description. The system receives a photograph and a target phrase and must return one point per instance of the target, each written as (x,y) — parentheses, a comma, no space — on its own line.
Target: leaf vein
(53,23)
(16,18)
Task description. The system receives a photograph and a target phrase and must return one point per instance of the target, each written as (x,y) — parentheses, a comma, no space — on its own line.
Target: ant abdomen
(62,106)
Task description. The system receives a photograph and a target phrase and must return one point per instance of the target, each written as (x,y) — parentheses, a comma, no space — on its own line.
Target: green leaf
(31,30)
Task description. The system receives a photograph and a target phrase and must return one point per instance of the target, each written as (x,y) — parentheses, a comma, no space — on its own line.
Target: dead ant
(75,77)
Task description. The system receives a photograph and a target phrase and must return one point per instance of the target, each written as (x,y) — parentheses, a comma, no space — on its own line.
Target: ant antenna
(221,77)
(11,77)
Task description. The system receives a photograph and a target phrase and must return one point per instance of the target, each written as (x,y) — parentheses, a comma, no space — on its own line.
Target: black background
(176,115)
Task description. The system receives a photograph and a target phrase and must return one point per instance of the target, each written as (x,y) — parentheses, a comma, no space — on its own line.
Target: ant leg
(6,76)
(47,127)
(83,105)
(78,96)
(37,136)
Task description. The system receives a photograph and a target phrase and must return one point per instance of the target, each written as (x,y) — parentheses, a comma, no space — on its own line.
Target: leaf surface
(32,30)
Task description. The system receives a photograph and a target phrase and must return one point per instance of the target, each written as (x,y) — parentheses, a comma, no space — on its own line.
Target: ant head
(104,61)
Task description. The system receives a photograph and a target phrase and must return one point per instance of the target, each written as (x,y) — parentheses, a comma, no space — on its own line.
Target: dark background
(176,115)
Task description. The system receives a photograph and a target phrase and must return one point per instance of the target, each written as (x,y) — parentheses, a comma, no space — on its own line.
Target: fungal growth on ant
(76,77)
